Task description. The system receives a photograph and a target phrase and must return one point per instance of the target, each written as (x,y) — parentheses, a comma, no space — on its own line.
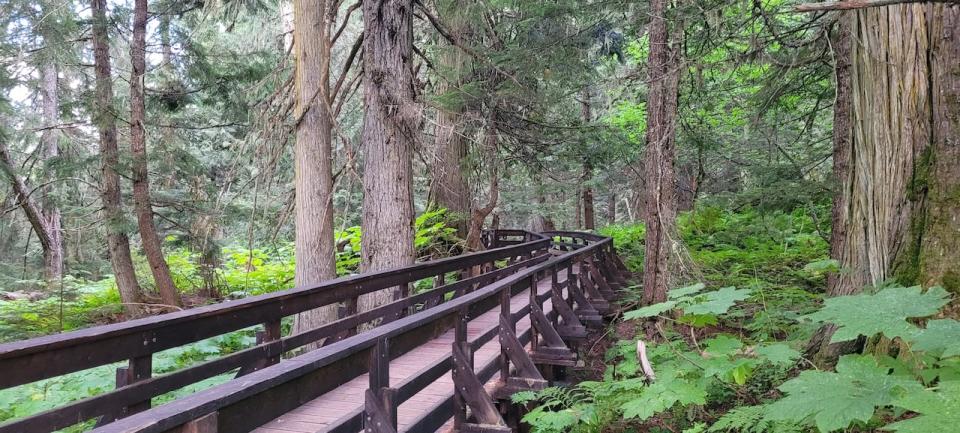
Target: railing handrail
(54,355)
(181,411)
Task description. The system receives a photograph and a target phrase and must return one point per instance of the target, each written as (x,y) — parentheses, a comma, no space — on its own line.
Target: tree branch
(22,191)
(346,68)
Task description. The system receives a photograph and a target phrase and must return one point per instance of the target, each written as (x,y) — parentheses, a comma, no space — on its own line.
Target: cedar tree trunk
(313,175)
(391,121)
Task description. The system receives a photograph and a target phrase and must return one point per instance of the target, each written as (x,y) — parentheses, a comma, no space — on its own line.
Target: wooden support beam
(516,353)
(570,328)
(602,287)
(590,290)
(377,417)
(471,391)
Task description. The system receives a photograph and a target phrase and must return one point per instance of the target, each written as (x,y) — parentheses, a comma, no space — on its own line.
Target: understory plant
(735,382)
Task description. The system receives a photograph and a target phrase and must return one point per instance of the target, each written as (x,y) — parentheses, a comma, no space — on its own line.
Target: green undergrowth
(33,398)
(727,353)
(242,272)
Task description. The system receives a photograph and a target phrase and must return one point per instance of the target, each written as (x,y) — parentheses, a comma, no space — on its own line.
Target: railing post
(138,369)
(270,332)
(506,319)
(468,390)
(554,287)
(380,409)
(461,346)
(534,338)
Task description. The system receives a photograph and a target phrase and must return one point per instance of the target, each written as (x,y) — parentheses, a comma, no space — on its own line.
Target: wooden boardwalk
(315,415)
(413,386)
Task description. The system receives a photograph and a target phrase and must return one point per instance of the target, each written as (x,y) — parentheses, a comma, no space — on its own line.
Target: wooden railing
(137,340)
(242,405)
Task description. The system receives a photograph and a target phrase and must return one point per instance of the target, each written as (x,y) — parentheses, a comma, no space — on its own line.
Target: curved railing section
(268,388)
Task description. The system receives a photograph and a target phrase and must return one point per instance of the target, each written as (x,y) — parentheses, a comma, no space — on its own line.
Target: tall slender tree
(118,244)
(152,246)
(391,122)
(448,184)
(43,213)
(313,176)
(53,255)
(589,216)
(660,210)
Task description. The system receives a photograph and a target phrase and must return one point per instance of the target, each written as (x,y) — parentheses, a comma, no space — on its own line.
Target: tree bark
(589,213)
(391,121)
(118,244)
(941,237)
(543,222)
(313,159)
(152,246)
(819,349)
(898,219)
(662,239)
(841,151)
(448,185)
(578,207)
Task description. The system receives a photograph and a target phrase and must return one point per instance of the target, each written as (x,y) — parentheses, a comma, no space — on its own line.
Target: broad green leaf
(663,394)
(699,320)
(719,301)
(650,310)
(686,291)
(939,335)
(835,400)
(777,353)
(885,312)
(742,371)
(723,345)
(548,420)
(939,410)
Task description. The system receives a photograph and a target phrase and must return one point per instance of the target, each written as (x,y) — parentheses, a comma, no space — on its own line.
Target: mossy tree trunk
(940,243)
(896,153)
(896,218)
